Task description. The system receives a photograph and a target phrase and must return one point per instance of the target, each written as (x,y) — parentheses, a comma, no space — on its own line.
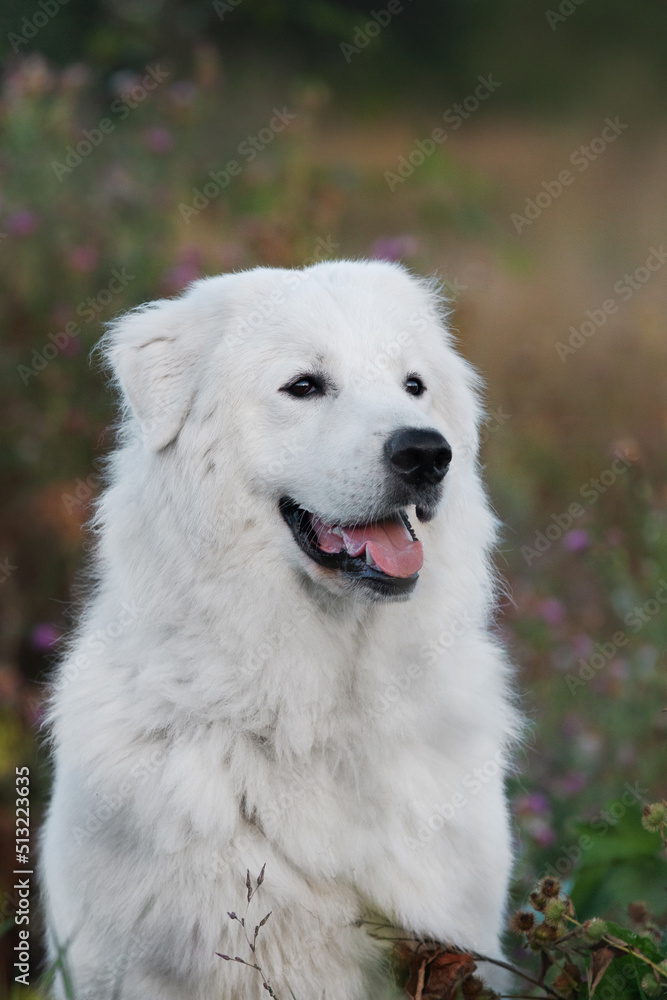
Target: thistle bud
(595,930)
(651,987)
(554,911)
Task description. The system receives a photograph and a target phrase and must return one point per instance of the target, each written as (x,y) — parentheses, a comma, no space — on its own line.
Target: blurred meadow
(516,150)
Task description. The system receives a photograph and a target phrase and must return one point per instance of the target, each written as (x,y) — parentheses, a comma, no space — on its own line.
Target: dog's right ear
(154,352)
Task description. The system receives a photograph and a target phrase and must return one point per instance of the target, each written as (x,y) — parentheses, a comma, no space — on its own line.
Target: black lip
(354,567)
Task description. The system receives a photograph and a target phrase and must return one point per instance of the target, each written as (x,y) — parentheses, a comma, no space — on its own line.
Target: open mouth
(385,555)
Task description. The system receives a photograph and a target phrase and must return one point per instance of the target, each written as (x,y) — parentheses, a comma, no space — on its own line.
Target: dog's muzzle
(383,554)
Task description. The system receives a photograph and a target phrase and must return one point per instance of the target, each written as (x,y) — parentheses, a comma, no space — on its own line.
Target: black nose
(418,456)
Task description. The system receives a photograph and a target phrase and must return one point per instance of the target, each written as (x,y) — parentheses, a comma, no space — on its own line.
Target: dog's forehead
(346,305)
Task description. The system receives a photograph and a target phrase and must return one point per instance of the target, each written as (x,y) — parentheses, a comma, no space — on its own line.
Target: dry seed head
(654,816)
(538,901)
(549,887)
(472,988)
(544,934)
(638,912)
(523,921)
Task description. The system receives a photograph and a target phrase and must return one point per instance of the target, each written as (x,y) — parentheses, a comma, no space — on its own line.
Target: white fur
(228,703)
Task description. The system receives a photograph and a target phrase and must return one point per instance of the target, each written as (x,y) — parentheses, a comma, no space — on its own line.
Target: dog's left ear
(155,353)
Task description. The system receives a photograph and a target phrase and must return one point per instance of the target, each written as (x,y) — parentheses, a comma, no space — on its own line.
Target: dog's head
(323,409)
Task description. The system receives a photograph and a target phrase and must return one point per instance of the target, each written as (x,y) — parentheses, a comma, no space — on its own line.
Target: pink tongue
(389,544)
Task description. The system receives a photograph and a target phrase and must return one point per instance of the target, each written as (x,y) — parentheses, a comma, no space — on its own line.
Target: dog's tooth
(369,558)
(335,530)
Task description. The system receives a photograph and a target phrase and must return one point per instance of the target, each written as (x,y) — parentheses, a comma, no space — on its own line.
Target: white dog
(273,669)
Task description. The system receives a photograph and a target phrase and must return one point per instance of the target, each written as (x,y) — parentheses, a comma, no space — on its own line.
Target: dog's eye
(307,385)
(414,385)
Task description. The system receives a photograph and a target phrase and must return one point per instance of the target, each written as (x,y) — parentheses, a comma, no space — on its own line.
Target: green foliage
(621,866)
(596,958)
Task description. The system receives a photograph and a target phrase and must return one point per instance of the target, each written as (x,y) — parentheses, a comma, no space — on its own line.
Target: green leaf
(644,944)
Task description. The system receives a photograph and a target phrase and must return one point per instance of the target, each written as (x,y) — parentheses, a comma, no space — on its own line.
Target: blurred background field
(559,297)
